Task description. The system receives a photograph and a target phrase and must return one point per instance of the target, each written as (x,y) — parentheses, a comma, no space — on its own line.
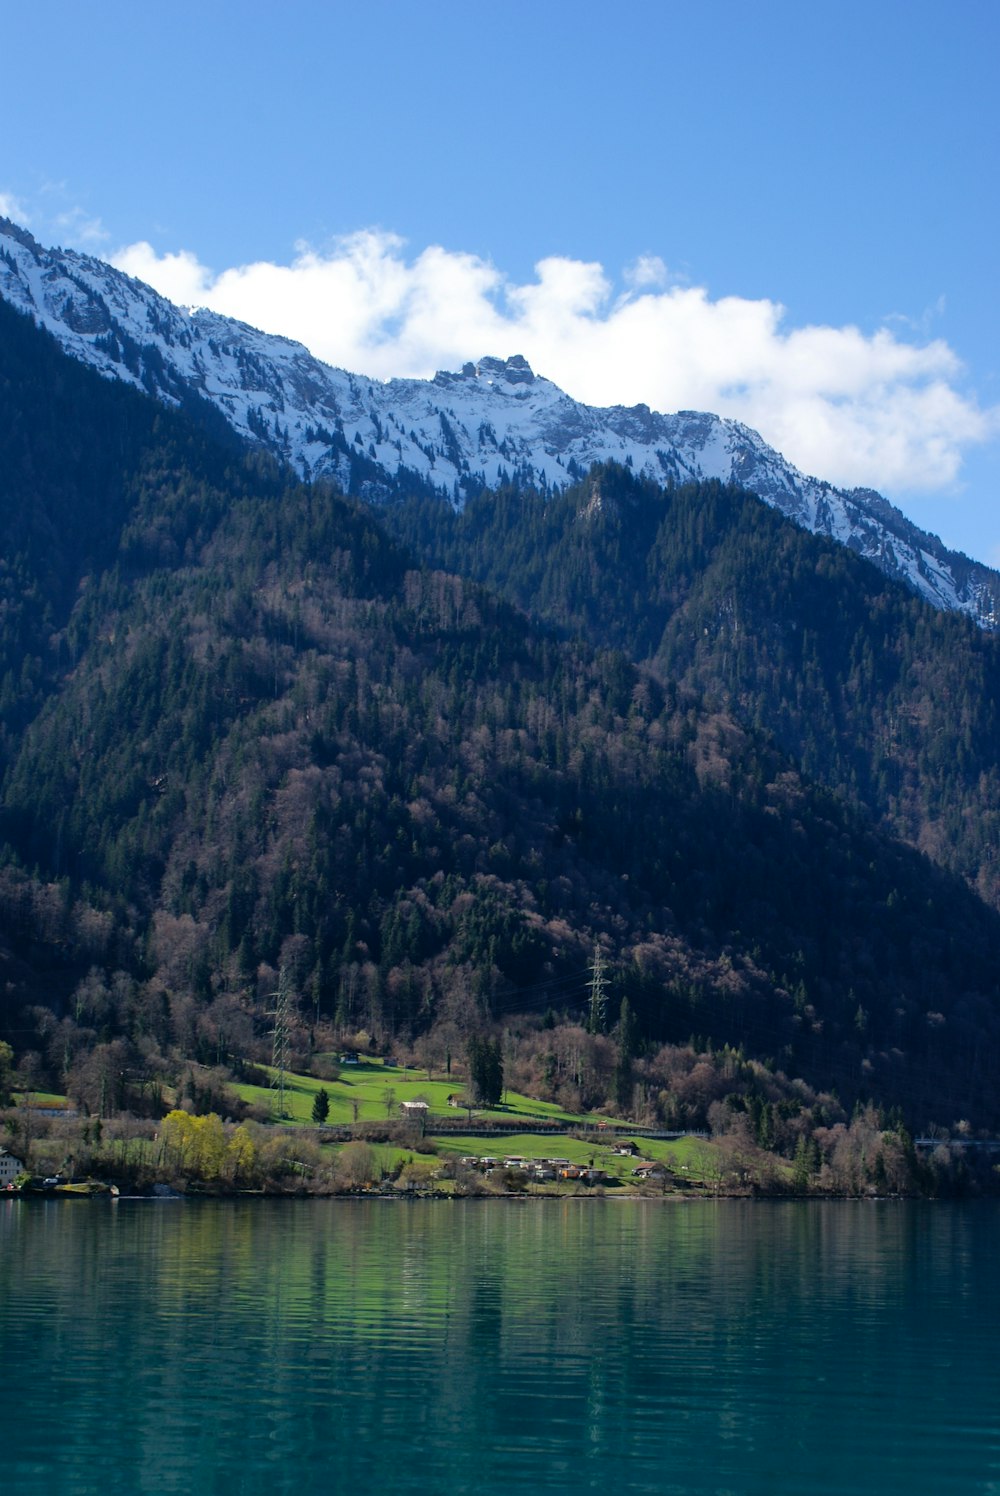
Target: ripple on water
(299,1347)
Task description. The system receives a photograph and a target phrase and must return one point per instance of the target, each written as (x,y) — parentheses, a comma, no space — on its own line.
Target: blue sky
(784,212)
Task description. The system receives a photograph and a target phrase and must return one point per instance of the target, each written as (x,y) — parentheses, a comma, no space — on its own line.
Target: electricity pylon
(597,1018)
(279,1049)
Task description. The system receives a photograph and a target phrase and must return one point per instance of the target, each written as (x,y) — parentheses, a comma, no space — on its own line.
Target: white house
(415,1111)
(10,1168)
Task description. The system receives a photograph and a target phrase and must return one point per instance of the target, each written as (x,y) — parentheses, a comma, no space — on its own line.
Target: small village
(551,1170)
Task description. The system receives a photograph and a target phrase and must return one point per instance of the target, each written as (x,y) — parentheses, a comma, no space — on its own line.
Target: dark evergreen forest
(887,701)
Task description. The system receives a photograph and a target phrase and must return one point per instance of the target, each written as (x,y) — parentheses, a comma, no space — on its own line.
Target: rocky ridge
(492,422)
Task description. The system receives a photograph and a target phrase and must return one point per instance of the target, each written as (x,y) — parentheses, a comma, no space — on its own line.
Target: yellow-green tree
(241,1155)
(196,1145)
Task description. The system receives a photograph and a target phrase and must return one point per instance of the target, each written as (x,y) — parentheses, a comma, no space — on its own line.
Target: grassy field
(685,1156)
(369,1084)
(367,1087)
(697,1171)
(50,1100)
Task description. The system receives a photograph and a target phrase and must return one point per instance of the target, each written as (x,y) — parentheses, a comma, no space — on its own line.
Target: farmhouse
(415,1111)
(650,1171)
(10,1168)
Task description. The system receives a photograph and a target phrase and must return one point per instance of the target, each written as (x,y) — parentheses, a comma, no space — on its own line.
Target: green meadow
(49,1100)
(373,1092)
(378,1091)
(684,1156)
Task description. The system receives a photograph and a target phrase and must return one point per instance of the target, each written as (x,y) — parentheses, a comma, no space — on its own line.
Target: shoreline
(119,1196)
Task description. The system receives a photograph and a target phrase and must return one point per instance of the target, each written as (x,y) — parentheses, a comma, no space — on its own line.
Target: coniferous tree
(485,1070)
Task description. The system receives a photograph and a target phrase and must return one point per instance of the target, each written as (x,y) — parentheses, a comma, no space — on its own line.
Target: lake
(486,1347)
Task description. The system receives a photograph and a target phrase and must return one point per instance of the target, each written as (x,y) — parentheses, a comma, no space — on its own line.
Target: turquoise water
(487,1347)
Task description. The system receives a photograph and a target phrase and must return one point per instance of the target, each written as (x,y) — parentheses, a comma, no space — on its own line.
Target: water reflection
(579,1345)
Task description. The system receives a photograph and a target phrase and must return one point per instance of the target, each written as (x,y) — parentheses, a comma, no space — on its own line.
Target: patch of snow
(492,421)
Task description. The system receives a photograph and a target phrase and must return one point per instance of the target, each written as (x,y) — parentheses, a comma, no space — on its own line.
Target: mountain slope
(891,703)
(75,454)
(276,740)
(494,421)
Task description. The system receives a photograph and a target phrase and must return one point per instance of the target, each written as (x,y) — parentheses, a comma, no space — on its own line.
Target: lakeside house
(10,1168)
(536,1170)
(650,1171)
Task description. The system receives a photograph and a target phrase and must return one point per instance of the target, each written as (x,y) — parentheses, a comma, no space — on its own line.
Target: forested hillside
(75,453)
(891,703)
(246,730)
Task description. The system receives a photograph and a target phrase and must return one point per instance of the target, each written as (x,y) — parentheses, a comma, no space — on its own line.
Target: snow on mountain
(493,421)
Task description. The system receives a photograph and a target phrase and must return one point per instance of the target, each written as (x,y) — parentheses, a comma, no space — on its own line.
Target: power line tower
(279,1048)
(597,1016)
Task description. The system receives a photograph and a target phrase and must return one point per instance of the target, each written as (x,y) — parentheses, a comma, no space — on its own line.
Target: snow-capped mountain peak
(492,421)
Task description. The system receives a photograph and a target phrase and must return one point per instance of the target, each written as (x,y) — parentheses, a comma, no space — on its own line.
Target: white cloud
(647,271)
(922,324)
(55,217)
(178,277)
(12,209)
(852,407)
(80,229)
